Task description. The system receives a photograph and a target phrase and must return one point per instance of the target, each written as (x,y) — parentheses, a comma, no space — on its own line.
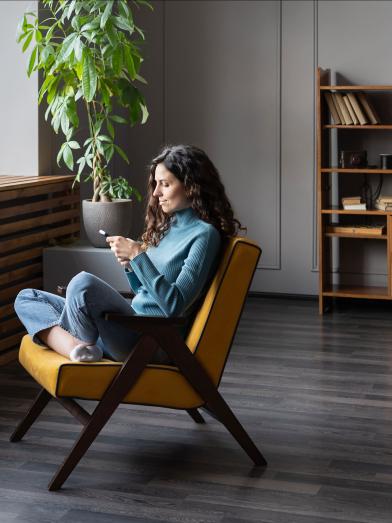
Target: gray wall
(18,97)
(240,80)
(237,78)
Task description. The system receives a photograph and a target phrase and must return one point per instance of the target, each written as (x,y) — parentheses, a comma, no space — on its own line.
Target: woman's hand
(124,249)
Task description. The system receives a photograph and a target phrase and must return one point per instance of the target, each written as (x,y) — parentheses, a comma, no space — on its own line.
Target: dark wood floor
(314,393)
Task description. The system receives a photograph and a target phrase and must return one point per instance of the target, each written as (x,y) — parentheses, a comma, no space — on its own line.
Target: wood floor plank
(315,393)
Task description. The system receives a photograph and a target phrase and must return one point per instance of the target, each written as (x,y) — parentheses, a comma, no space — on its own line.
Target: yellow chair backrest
(211,334)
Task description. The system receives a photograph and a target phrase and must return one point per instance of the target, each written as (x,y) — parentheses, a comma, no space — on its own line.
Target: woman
(187,216)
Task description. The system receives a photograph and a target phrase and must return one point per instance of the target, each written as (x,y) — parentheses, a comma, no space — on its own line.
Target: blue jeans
(81,314)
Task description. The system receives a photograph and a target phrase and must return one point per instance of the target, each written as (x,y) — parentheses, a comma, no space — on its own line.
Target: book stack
(384,203)
(353,203)
(374,229)
(351,108)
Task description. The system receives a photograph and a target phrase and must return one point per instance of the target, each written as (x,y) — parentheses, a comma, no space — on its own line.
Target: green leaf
(78,48)
(109,152)
(75,23)
(72,112)
(140,32)
(69,134)
(90,26)
(47,112)
(89,76)
(145,113)
(56,123)
(68,157)
(106,14)
(64,121)
(99,147)
(45,86)
(60,153)
(121,153)
(135,113)
(27,41)
(123,23)
(112,34)
(110,129)
(67,47)
(46,53)
(118,119)
(74,144)
(146,3)
(129,63)
(71,8)
(82,163)
(141,79)
(104,138)
(124,11)
(117,60)
(32,61)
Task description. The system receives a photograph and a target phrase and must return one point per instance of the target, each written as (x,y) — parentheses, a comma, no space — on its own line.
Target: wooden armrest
(144,323)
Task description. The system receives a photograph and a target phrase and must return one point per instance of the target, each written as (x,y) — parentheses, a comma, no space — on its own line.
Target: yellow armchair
(189,384)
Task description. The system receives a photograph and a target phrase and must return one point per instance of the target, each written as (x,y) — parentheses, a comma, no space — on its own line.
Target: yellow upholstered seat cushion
(159,385)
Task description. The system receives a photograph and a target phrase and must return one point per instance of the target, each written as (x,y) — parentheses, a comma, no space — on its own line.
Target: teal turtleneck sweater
(169,278)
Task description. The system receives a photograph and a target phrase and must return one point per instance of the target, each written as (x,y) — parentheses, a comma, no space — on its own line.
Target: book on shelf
(375,230)
(333,110)
(343,109)
(341,117)
(351,110)
(355,207)
(353,203)
(383,203)
(369,109)
(383,206)
(357,109)
(351,200)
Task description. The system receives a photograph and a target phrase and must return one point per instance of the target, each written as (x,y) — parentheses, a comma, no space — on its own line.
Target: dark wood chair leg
(226,416)
(210,412)
(195,415)
(38,406)
(121,384)
(174,345)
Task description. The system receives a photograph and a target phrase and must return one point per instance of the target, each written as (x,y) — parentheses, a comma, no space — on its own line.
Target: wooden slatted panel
(34,213)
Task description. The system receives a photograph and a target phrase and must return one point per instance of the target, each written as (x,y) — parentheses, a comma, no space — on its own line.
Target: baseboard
(282,295)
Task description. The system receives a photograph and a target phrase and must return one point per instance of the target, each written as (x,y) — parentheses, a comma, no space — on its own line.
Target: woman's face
(169,191)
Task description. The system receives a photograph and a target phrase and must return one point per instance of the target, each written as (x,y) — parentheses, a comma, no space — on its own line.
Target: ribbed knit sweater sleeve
(133,280)
(174,297)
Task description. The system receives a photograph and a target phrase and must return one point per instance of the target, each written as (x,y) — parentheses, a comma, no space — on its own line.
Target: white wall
(18,96)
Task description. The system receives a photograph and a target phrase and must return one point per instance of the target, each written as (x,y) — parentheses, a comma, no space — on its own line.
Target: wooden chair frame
(155,332)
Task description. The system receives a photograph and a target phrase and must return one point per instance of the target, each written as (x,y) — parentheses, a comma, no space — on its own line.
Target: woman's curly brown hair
(203,188)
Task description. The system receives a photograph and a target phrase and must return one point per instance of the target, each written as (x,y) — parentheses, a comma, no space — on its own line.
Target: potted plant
(88,53)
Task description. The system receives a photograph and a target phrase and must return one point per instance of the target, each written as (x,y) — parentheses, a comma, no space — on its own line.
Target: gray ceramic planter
(113,217)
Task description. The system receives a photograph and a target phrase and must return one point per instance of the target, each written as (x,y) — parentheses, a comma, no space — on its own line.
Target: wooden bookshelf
(326,167)
(355,171)
(348,291)
(373,127)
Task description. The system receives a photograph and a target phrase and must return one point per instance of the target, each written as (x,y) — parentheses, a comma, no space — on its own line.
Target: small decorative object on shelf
(386,161)
(353,159)
(349,163)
